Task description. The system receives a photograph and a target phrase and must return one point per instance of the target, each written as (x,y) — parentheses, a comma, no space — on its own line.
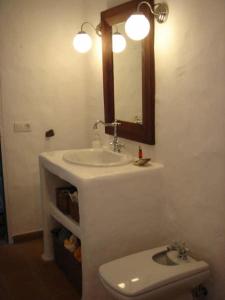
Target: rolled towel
(77,254)
(71,243)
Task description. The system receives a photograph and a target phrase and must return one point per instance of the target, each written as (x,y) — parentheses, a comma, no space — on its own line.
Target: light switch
(22,127)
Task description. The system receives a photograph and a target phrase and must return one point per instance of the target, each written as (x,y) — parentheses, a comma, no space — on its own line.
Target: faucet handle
(174,246)
(120,146)
(177,245)
(95,125)
(183,251)
(116,123)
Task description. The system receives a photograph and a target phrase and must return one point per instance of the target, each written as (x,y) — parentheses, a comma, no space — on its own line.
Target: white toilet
(153,274)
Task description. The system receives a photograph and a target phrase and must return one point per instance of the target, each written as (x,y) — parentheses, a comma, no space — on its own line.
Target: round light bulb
(118,42)
(137,27)
(82,42)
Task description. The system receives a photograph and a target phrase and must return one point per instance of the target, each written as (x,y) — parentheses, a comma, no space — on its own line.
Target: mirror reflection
(127,66)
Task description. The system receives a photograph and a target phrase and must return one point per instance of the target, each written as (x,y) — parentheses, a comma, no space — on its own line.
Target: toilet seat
(138,274)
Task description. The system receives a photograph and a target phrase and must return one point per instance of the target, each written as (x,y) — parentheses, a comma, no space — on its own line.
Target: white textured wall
(42,81)
(190,129)
(190,126)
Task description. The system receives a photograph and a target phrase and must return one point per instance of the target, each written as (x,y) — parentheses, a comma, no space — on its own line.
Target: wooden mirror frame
(145,132)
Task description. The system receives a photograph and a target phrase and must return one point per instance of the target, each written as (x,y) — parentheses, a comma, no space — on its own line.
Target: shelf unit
(103,239)
(65,220)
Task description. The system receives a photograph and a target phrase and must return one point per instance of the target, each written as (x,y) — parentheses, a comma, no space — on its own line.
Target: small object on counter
(140,152)
(142,162)
(77,254)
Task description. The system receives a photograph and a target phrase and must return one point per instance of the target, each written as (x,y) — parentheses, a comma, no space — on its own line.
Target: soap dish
(141,162)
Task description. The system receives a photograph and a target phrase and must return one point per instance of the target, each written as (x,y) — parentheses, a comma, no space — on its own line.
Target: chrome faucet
(115,143)
(95,126)
(181,250)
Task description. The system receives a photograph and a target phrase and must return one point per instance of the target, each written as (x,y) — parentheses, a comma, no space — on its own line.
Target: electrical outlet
(22,127)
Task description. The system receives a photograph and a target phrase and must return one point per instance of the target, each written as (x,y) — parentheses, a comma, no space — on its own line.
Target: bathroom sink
(171,258)
(97,157)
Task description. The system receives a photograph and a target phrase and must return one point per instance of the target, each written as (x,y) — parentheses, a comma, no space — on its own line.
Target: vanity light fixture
(137,26)
(118,42)
(82,41)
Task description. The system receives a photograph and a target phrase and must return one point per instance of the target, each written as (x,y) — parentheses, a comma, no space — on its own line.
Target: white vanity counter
(120,212)
(54,162)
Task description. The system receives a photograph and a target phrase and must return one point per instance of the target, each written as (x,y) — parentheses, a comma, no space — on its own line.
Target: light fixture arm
(145,3)
(97,29)
(117,30)
(160,12)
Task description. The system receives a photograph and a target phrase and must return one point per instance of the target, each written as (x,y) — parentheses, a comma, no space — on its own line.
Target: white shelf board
(66,221)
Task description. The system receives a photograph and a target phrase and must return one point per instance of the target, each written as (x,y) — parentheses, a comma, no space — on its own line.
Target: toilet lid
(139,273)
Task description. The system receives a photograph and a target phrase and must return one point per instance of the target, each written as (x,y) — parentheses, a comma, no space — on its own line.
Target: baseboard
(20,238)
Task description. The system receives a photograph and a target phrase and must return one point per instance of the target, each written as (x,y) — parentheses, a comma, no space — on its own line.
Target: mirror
(127,73)
(129,77)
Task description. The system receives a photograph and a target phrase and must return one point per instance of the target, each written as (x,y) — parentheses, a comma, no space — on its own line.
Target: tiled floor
(24,276)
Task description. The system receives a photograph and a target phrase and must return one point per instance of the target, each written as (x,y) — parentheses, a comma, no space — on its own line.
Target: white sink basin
(97,157)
